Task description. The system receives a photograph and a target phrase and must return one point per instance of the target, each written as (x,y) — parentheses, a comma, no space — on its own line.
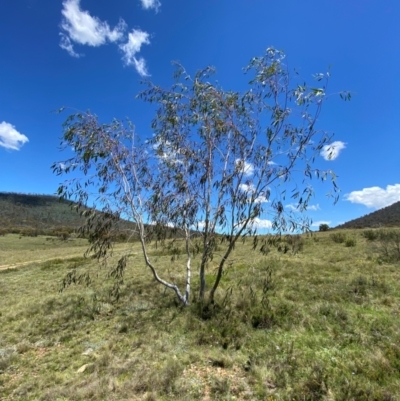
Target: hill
(387,217)
(36,212)
(32,215)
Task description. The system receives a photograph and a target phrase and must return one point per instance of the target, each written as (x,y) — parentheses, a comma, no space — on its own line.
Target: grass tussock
(317,322)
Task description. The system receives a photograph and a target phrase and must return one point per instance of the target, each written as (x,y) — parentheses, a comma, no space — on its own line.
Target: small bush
(339,238)
(219,388)
(388,245)
(62,235)
(349,242)
(370,235)
(29,232)
(295,242)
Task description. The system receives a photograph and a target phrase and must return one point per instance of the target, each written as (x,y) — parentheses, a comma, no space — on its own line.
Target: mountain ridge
(388,216)
(45,213)
(38,212)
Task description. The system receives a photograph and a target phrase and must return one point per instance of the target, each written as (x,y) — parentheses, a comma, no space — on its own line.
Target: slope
(387,217)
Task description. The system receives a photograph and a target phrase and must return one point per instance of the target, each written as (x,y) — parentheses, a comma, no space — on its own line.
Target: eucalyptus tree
(217,166)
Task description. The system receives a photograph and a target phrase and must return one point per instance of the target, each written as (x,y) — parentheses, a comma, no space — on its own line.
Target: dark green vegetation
(36,214)
(319,322)
(33,215)
(323,227)
(387,217)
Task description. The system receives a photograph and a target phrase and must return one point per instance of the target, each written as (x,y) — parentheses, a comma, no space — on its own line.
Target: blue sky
(90,54)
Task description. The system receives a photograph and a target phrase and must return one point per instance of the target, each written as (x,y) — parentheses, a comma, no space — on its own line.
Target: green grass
(321,323)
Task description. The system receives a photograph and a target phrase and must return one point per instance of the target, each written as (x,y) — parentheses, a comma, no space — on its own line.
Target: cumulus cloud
(201,224)
(79,27)
(375,197)
(147,4)
(247,168)
(250,189)
(332,151)
(261,199)
(136,39)
(318,223)
(10,138)
(261,223)
(247,188)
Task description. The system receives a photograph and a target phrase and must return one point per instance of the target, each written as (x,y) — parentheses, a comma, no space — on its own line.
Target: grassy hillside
(387,217)
(40,212)
(318,324)
(32,215)
(45,214)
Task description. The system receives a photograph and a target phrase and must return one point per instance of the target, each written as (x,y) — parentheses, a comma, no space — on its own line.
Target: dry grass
(323,326)
(15,249)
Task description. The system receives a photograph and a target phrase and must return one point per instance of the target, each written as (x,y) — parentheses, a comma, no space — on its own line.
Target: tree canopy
(217,166)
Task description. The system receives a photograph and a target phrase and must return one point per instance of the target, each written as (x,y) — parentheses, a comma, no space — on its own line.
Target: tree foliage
(218,166)
(323,227)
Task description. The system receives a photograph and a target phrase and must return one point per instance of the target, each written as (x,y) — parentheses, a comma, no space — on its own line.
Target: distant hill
(387,217)
(39,212)
(32,215)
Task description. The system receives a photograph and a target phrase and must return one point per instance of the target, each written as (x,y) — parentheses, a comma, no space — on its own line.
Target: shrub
(388,245)
(350,242)
(338,237)
(370,235)
(295,242)
(63,235)
(29,232)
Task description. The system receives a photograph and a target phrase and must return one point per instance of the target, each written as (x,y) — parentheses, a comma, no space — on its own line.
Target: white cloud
(318,223)
(261,223)
(294,207)
(332,151)
(375,197)
(66,44)
(261,199)
(147,4)
(140,65)
(247,168)
(80,27)
(135,41)
(201,224)
(10,138)
(168,224)
(247,188)
(250,189)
